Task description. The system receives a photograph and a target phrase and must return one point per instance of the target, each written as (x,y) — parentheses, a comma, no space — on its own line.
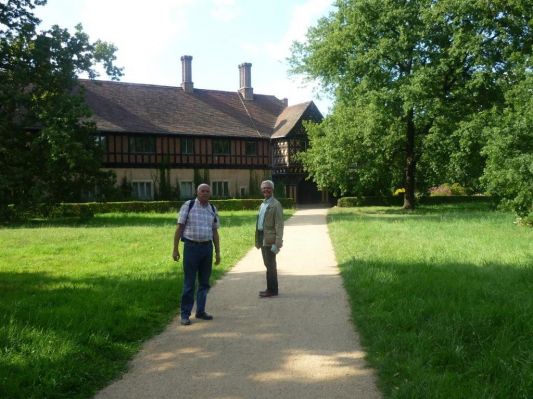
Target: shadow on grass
(127,219)
(64,337)
(468,212)
(445,329)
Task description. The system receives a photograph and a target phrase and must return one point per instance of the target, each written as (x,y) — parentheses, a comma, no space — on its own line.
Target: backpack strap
(191,204)
(214,212)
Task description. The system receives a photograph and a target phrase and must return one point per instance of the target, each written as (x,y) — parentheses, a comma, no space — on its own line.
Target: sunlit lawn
(442,297)
(78,299)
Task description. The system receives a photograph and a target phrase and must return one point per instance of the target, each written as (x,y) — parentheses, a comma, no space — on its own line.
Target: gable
(289,122)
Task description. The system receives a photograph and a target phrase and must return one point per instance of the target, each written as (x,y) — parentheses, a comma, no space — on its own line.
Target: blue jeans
(197,261)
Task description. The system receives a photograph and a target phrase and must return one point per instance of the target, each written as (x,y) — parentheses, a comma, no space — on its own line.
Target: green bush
(85,209)
(455,199)
(447,189)
(526,220)
(346,202)
(82,211)
(7,213)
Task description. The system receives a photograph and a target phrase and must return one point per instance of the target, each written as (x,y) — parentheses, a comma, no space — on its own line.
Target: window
(142,190)
(186,190)
(142,145)
(100,140)
(220,189)
(243,191)
(251,148)
(221,147)
(187,146)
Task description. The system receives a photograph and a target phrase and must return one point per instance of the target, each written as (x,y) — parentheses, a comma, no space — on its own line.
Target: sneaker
(185,321)
(204,316)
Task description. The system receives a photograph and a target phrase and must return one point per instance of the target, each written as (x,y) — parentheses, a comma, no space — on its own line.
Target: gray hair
(203,185)
(268,183)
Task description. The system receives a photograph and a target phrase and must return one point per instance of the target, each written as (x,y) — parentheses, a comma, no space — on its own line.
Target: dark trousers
(197,261)
(269,259)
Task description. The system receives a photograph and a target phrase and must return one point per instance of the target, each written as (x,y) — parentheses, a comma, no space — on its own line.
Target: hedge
(398,200)
(87,210)
(346,202)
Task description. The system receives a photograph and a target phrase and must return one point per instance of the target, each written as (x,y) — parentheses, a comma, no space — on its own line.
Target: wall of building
(237,181)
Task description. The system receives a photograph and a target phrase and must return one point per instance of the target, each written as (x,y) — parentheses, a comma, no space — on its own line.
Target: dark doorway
(307,193)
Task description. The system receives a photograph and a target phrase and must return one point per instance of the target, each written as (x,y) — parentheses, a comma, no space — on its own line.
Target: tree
(509,171)
(49,150)
(409,79)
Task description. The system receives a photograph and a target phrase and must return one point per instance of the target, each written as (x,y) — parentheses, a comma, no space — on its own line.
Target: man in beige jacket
(269,236)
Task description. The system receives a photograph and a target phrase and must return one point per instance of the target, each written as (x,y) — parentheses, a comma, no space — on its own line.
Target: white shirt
(262,212)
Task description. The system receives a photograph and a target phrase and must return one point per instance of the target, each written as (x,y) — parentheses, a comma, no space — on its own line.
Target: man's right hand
(176,254)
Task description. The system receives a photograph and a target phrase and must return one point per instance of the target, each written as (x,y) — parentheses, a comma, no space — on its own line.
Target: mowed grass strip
(78,299)
(442,298)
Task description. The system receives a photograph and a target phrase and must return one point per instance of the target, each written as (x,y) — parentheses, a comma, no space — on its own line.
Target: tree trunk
(410,163)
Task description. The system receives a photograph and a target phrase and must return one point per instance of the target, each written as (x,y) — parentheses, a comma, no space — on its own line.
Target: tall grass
(78,299)
(442,297)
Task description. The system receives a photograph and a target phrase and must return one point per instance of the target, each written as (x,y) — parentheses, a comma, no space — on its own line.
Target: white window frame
(182,190)
(142,190)
(220,185)
(184,143)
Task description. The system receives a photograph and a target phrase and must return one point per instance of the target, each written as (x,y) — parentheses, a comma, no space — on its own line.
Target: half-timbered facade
(231,139)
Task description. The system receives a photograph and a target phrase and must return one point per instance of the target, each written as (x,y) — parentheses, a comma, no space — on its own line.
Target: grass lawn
(77,300)
(442,298)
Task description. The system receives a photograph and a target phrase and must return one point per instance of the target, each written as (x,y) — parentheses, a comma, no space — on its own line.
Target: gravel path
(300,344)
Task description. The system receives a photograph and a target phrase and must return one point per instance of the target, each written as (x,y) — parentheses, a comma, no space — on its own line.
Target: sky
(151,36)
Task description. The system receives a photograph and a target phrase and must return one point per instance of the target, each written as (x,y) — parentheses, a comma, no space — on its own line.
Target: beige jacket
(272,226)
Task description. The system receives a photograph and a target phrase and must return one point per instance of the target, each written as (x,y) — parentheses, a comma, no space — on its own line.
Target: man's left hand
(217,259)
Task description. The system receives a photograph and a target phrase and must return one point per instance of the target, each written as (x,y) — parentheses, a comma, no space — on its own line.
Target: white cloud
(294,88)
(142,31)
(224,10)
(303,17)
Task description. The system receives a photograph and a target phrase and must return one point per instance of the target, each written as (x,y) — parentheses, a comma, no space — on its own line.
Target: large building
(232,140)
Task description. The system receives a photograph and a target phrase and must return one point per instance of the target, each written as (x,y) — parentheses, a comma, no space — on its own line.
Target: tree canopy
(509,150)
(413,83)
(48,150)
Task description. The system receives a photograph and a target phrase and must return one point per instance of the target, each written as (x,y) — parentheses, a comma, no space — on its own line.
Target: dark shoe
(267,294)
(185,321)
(204,316)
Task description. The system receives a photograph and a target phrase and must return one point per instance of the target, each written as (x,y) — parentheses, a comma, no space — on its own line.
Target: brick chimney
(245,79)
(186,74)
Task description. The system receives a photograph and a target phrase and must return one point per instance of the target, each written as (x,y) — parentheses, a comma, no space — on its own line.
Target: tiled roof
(141,108)
(288,119)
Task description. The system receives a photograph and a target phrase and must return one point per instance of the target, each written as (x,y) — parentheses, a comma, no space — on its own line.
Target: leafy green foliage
(509,171)
(346,202)
(47,141)
(447,189)
(410,79)
(88,209)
